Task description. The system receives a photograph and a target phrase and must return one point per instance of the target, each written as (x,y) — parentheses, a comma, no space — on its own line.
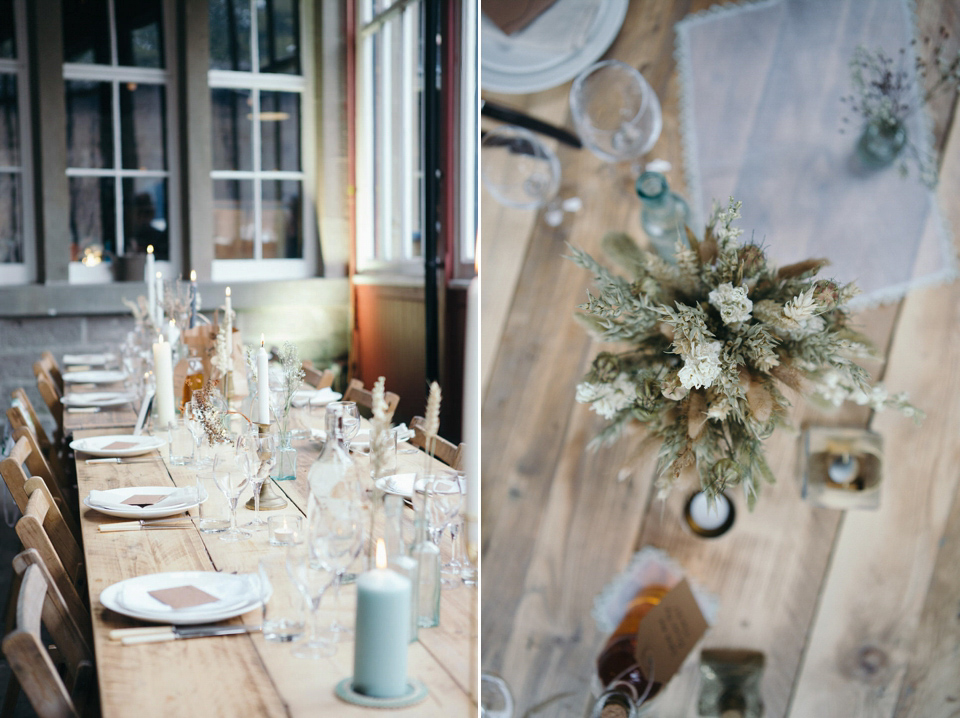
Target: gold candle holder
(841,468)
(270,500)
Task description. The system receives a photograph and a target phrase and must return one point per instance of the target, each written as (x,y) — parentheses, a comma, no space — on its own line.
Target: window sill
(62,299)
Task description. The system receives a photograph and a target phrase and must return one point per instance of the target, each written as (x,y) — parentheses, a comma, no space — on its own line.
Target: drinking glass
(616,113)
(283,612)
(231,480)
(312,576)
(214,509)
(344,530)
(496,701)
(350,421)
(180,443)
(256,456)
(518,169)
(191,417)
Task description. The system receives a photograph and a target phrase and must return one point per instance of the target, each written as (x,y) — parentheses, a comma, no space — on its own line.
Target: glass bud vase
(664,214)
(427,555)
(286,467)
(881,142)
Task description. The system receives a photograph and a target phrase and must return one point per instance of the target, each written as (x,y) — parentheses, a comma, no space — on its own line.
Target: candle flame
(261,341)
(381,554)
(173,323)
(159,275)
(193,275)
(228,291)
(149,249)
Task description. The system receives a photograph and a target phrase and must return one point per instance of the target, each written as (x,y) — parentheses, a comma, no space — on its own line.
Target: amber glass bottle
(194,380)
(617,661)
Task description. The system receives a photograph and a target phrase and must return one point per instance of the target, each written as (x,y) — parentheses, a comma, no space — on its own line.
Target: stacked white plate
(97,398)
(110,502)
(399,484)
(314,397)
(236,594)
(94,376)
(88,359)
(104,445)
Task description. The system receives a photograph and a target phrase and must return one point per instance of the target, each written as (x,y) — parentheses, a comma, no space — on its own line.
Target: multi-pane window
(116,85)
(14,249)
(389,169)
(257,85)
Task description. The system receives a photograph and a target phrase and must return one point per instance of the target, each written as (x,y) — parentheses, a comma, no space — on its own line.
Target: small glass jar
(881,142)
(664,216)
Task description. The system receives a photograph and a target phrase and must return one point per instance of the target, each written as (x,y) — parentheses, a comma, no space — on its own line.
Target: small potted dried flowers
(712,343)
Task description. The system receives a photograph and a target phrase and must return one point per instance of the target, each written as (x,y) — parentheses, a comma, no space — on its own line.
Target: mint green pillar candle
(382,631)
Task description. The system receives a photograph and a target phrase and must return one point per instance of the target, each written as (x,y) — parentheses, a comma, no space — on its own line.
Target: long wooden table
(242,675)
(856,612)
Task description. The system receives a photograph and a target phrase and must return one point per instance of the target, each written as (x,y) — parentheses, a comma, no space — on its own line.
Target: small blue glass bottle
(664,215)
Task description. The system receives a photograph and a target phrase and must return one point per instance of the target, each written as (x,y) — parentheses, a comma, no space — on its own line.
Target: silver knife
(116,460)
(159,634)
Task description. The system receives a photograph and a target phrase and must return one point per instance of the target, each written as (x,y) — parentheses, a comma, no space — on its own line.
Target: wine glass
(231,480)
(191,414)
(496,701)
(344,543)
(256,456)
(312,576)
(349,423)
(451,570)
(616,113)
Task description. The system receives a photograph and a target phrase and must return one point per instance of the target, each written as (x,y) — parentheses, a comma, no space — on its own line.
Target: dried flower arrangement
(431,423)
(379,429)
(292,368)
(712,342)
(211,418)
(883,91)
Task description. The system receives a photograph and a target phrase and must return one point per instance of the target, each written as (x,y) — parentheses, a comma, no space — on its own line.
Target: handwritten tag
(143,500)
(183,596)
(117,445)
(669,632)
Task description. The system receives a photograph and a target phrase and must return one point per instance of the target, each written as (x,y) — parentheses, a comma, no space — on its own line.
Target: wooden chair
(51,397)
(47,364)
(42,528)
(364,398)
(26,453)
(40,603)
(22,415)
(443,450)
(316,378)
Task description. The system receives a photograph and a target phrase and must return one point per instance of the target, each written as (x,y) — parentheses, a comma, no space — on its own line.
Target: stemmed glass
(231,480)
(191,416)
(312,575)
(616,113)
(256,456)
(454,566)
(349,423)
(344,541)
(447,497)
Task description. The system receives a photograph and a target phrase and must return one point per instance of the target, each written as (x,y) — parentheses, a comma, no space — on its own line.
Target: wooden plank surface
(557,523)
(243,675)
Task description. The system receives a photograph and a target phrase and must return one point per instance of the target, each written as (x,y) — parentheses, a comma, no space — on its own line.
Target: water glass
(285,610)
(214,510)
(181,444)
(616,113)
(518,169)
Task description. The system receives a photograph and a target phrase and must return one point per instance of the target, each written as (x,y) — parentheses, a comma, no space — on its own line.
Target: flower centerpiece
(884,98)
(711,344)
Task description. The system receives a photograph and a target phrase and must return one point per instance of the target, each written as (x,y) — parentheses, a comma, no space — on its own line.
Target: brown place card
(183,596)
(669,632)
(142,500)
(115,445)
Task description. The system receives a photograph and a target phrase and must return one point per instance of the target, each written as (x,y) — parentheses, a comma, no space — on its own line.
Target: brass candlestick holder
(270,500)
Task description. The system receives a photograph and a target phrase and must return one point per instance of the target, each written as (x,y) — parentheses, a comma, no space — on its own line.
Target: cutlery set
(159,634)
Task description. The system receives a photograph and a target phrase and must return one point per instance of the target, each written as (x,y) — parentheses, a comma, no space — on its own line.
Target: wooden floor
(856,612)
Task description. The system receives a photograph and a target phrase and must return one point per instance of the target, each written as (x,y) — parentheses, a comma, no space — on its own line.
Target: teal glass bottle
(664,214)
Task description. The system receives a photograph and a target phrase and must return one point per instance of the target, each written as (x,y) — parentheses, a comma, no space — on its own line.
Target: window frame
(370,138)
(25,272)
(255,268)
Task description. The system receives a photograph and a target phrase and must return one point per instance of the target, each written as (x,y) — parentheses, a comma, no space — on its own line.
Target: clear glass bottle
(730,683)
(881,142)
(664,214)
(397,557)
(427,555)
(333,474)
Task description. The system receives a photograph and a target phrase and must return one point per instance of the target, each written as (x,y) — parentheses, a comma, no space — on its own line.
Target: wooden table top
(243,675)
(855,611)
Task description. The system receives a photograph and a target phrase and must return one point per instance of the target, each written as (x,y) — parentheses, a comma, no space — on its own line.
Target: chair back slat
(446,451)
(364,398)
(51,397)
(49,363)
(316,378)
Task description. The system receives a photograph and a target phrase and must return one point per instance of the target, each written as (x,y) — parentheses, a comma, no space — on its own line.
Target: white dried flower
(431,424)
(672,389)
(801,307)
(587,392)
(615,397)
(732,303)
(702,366)
(380,428)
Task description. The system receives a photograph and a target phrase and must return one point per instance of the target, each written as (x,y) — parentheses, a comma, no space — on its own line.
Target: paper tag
(115,445)
(143,500)
(669,632)
(183,596)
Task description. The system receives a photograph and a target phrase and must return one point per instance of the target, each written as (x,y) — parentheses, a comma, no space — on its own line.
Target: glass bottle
(194,380)
(427,555)
(617,665)
(730,683)
(664,214)
(333,474)
(397,558)
(881,143)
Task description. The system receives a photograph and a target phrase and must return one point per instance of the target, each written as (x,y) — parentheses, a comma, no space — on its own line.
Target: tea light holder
(841,468)
(709,521)
(284,530)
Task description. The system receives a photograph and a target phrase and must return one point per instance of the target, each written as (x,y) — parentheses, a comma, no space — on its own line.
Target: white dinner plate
(315,397)
(137,512)
(398,484)
(88,359)
(97,398)
(508,67)
(95,376)
(97,445)
(237,594)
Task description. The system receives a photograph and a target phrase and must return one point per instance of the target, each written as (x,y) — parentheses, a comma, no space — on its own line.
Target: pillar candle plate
(416,692)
